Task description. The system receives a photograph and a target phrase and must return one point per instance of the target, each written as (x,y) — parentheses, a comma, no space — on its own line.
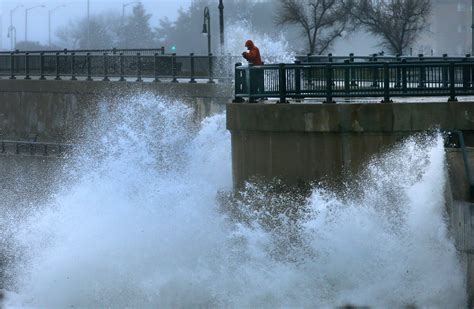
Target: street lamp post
(49,22)
(123,10)
(472,27)
(11,29)
(88,24)
(206,28)
(221,23)
(26,19)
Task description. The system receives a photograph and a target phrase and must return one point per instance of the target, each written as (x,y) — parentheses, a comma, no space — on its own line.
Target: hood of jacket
(249,44)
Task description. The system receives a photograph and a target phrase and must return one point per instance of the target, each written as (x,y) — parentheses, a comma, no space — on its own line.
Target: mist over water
(138,222)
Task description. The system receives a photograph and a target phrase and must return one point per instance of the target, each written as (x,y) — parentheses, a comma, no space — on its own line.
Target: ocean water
(139,222)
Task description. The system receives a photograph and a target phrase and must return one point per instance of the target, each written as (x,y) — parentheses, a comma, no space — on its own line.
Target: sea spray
(140,225)
(272,49)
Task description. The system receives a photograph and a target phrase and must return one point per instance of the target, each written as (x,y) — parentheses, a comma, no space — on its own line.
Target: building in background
(450,30)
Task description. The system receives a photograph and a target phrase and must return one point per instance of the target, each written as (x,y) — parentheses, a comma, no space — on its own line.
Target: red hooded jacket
(253,55)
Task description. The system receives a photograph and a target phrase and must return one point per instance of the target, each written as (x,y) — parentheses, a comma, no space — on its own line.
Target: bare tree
(321,21)
(398,23)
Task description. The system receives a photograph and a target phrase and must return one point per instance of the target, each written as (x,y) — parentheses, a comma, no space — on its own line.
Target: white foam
(140,226)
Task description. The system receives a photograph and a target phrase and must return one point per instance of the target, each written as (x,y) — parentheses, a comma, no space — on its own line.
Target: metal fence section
(119,64)
(447,77)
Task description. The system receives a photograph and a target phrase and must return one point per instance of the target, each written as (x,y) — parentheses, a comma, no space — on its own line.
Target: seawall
(300,143)
(56,111)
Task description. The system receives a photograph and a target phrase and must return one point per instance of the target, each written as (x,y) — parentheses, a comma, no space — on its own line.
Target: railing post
(58,76)
(329,84)
(352,74)
(211,70)
(191,59)
(398,84)
(422,82)
(173,68)
(466,74)
(114,61)
(375,73)
(386,83)
(238,83)
(308,58)
(470,69)
(162,50)
(106,70)
(42,77)
(444,72)
(281,82)
(89,68)
(27,66)
(139,67)
(73,66)
(298,78)
(122,77)
(155,67)
(404,76)
(347,77)
(12,65)
(248,82)
(452,87)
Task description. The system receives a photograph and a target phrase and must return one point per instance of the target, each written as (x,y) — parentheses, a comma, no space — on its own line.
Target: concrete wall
(299,143)
(56,110)
(312,142)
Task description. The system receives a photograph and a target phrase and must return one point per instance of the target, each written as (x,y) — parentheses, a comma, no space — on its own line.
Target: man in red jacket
(253,54)
(257,76)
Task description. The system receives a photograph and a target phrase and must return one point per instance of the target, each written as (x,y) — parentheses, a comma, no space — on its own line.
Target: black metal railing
(447,77)
(152,64)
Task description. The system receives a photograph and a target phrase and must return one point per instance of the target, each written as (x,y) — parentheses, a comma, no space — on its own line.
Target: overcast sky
(73,9)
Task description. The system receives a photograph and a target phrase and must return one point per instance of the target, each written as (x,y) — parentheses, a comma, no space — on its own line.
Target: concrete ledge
(56,111)
(301,143)
(387,117)
(100,87)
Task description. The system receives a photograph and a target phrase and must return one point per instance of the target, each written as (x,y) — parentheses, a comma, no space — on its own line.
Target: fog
(445,35)
(71,10)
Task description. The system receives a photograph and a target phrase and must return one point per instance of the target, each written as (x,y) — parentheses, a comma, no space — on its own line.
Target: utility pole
(49,22)
(123,10)
(26,19)
(221,23)
(88,24)
(206,28)
(12,29)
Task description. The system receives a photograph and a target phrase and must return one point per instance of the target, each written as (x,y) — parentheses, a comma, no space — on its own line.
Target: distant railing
(137,65)
(449,77)
(34,148)
(310,58)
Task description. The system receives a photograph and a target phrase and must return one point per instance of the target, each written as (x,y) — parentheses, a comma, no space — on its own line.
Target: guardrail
(120,64)
(125,51)
(448,77)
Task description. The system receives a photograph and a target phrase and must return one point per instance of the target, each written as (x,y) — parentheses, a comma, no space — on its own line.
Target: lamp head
(204,29)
